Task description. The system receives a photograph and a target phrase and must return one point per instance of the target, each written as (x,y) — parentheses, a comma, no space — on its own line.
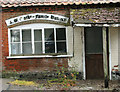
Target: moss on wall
(96,15)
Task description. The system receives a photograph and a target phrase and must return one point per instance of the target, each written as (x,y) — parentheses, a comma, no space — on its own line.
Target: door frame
(84,65)
(110,64)
(109,59)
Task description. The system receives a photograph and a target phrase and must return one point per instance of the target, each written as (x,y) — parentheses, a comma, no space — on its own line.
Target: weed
(65,78)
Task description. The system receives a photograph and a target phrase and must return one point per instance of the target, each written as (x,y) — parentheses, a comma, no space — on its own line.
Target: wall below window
(36,64)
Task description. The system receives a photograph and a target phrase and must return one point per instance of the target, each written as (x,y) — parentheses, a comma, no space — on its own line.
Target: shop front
(41,37)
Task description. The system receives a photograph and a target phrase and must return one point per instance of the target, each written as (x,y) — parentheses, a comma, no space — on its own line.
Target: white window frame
(38,26)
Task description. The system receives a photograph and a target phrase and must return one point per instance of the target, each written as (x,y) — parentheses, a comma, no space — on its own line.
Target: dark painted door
(94,53)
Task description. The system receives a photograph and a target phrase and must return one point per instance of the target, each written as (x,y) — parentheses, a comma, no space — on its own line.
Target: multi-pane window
(38,41)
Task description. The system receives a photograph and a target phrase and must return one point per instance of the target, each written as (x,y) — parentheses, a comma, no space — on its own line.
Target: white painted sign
(37,16)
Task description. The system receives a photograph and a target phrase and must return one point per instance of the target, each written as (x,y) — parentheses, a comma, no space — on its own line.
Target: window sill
(41,56)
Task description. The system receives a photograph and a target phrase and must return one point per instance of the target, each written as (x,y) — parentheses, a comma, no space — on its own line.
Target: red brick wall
(38,64)
(29,64)
(0,42)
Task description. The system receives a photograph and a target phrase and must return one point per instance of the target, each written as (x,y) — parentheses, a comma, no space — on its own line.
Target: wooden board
(94,66)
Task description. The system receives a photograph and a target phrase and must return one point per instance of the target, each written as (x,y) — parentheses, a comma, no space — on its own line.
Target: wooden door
(94,53)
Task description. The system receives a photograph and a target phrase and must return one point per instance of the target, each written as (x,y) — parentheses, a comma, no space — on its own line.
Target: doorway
(94,53)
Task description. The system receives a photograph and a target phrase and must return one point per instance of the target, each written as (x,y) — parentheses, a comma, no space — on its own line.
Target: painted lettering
(35,16)
(27,17)
(15,20)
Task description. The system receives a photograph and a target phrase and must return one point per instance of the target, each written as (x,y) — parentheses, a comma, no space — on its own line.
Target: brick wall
(37,64)
(0,42)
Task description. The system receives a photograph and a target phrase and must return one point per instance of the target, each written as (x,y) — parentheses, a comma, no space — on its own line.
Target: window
(37,41)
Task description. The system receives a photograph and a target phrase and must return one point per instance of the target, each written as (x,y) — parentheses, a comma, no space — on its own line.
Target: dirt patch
(81,85)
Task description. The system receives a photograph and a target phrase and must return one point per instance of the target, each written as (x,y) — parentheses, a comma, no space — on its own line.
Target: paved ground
(7,86)
(83,85)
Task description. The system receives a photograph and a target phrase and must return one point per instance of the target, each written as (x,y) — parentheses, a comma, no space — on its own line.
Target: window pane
(15,35)
(93,39)
(38,47)
(60,34)
(26,35)
(38,35)
(27,48)
(49,47)
(49,34)
(61,47)
(15,48)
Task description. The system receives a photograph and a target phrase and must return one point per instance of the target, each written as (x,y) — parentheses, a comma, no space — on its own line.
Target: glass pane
(38,35)
(49,34)
(60,34)
(93,40)
(38,47)
(61,47)
(15,48)
(49,47)
(15,35)
(27,48)
(26,35)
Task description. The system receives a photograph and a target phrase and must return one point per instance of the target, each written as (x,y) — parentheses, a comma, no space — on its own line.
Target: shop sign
(37,16)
